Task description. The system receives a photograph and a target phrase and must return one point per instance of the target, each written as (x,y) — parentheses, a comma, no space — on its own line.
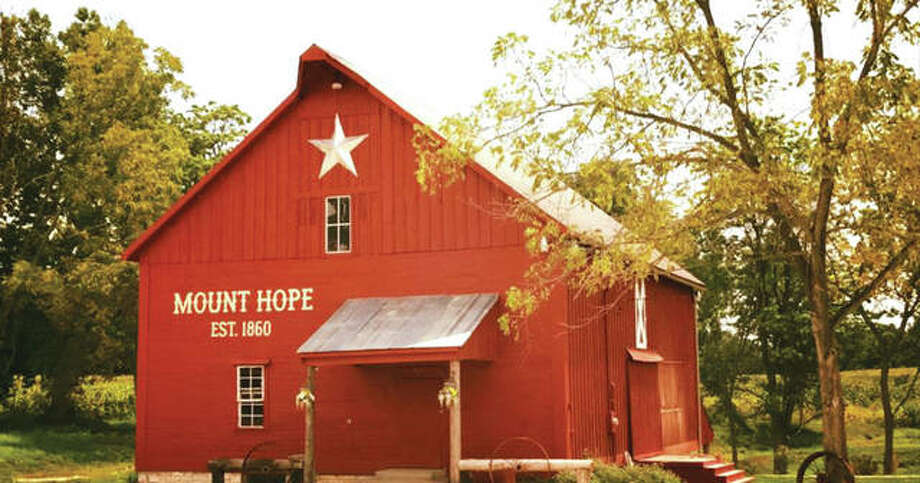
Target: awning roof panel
(394,323)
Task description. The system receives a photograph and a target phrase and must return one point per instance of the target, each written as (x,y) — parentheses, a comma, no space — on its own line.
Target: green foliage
(753,318)
(909,416)
(210,130)
(864,425)
(864,464)
(97,400)
(24,402)
(604,473)
(104,399)
(97,153)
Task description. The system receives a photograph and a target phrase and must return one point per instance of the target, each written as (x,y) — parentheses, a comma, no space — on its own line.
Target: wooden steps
(700,468)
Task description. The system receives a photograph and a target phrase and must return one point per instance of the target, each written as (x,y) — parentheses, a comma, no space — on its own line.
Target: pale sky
(437,52)
(246,52)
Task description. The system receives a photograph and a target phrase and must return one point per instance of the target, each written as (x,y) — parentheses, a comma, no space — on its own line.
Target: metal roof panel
(411,322)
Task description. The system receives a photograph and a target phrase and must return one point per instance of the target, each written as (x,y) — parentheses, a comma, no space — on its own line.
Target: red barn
(311,244)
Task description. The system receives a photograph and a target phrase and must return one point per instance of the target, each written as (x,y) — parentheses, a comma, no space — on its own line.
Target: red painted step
(700,468)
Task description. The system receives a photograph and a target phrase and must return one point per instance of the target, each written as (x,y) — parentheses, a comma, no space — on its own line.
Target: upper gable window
(641,320)
(338,224)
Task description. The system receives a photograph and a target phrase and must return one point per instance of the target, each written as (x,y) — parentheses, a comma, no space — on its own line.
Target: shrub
(101,399)
(869,415)
(24,403)
(909,415)
(864,464)
(604,473)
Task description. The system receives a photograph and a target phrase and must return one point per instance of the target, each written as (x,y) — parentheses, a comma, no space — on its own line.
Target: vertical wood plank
(387,187)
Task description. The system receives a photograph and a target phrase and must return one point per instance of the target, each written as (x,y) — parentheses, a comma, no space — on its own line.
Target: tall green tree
(32,73)
(771,304)
(117,154)
(892,328)
(677,91)
(753,320)
(727,355)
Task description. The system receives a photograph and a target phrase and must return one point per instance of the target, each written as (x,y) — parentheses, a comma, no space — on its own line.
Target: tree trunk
(64,380)
(733,435)
(888,464)
(778,430)
(833,407)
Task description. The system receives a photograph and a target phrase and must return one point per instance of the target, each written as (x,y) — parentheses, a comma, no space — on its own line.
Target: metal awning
(398,329)
(644,355)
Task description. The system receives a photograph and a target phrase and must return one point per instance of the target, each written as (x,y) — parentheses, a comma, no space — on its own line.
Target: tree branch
(862,294)
(909,393)
(743,124)
(724,141)
(879,32)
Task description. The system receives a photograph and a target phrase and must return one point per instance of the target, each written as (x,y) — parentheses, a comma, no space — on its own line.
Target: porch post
(309,449)
(455,424)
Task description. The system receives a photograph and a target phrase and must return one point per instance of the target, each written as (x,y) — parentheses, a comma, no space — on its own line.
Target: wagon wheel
(815,468)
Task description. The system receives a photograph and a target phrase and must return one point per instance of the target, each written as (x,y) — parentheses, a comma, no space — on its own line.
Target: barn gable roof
(566,206)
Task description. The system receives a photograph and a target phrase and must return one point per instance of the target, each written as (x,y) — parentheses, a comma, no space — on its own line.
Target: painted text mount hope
(240,301)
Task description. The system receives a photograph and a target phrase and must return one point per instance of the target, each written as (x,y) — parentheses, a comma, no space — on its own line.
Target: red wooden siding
(588,376)
(187,408)
(620,335)
(601,328)
(270,205)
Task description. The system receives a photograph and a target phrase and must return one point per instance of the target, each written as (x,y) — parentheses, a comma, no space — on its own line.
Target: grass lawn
(860,479)
(864,435)
(104,454)
(99,451)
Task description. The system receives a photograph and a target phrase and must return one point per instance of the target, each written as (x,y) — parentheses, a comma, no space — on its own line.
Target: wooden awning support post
(309,440)
(455,424)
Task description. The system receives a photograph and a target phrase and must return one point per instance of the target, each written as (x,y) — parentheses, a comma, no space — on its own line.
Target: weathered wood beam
(309,439)
(455,441)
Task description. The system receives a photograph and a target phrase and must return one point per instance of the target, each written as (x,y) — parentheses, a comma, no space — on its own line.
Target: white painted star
(338,149)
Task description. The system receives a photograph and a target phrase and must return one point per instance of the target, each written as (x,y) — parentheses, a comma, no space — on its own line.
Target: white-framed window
(338,224)
(641,320)
(250,396)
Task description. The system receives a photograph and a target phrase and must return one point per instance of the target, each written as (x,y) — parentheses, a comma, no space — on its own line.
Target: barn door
(644,408)
(673,430)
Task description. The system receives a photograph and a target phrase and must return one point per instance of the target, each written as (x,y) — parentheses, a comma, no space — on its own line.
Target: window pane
(258,409)
(331,239)
(256,372)
(246,409)
(257,421)
(331,210)
(244,372)
(344,239)
(246,421)
(344,210)
(244,384)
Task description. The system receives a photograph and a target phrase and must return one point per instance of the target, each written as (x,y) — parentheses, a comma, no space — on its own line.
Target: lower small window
(250,396)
